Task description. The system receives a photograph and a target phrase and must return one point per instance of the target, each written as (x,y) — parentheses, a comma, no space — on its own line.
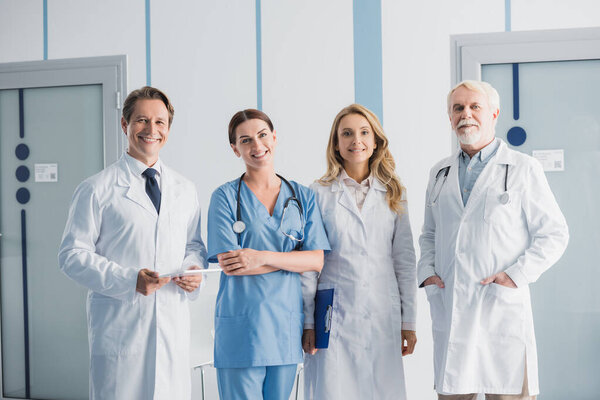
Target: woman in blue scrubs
(263,231)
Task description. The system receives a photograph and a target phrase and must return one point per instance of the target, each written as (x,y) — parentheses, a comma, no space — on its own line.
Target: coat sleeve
(77,255)
(403,253)
(426,265)
(195,250)
(547,227)
(309,282)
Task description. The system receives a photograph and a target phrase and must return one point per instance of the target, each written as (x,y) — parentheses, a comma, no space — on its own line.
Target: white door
(550,108)
(59,123)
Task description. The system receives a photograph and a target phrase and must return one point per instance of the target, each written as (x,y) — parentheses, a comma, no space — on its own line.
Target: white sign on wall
(46,172)
(552,160)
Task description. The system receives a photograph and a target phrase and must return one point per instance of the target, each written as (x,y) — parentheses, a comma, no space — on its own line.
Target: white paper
(190,272)
(46,172)
(552,160)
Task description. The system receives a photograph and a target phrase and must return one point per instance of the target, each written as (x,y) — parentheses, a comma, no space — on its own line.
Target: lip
(356,150)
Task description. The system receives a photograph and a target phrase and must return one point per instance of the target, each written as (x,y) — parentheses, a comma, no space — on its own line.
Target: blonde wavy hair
(381,163)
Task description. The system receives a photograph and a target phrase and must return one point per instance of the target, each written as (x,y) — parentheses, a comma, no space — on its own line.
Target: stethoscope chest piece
(239,226)
(504,198)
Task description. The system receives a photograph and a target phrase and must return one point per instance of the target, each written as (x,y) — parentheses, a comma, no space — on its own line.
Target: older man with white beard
(492,227)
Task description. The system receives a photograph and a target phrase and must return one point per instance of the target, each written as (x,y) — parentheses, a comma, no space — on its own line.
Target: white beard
(469,137)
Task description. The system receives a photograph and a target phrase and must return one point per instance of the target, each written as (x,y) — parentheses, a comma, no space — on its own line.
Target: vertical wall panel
(416,79)
(21,37)
(540,14)
(308,76)
(87,28)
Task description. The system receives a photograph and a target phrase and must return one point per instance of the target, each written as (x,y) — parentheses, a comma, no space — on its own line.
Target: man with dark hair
(131,228)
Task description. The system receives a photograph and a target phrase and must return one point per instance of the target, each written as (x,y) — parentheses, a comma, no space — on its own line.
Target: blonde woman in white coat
(371,268)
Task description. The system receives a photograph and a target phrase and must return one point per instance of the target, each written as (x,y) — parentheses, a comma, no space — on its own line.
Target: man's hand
(237,262)
(501,279)
(309,341)
(189,283)
(148,282)
(434,280)
(410,337)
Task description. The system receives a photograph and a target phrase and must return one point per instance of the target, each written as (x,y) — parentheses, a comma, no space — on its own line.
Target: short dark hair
(245,115)
(147,92)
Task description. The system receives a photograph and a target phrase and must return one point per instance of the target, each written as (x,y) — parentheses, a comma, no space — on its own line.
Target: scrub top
(259,318)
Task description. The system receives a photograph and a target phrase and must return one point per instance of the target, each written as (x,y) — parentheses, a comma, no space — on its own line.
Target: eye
(476,107)
(365,132)
(244,140)
(262,135)
(142,120)
(346,133)
(458,108)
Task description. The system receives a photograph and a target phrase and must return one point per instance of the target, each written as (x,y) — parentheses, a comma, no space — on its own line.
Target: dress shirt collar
(137,167)
(485,153)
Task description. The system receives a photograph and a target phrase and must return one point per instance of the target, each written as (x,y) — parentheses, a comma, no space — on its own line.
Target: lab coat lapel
(371,199)
(134,193)
(453,183)
(345,200)
(491,174)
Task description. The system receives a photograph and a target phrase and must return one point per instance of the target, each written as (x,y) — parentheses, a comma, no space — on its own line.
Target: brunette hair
(147,92)
(245,115)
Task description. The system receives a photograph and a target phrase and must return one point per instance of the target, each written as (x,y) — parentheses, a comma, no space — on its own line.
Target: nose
(466,113)
(356,138)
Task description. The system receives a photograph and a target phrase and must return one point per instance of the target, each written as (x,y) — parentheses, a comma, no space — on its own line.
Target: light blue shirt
(470,168)
(259,318)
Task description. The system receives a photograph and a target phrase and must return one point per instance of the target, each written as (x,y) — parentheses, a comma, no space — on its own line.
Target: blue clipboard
(323,313)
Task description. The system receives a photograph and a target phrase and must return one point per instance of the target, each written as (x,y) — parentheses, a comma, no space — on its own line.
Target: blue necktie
(152,188)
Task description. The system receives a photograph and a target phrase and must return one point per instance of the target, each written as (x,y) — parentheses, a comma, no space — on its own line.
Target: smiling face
(472,118)
(356,140)
(147,130)
(255,143)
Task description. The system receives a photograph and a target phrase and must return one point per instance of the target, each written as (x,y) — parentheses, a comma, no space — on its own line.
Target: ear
(496,113)
(235,150)
(124,125)
(275,136)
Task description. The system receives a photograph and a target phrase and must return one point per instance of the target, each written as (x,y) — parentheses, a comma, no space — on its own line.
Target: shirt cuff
(309,326)
(409,326)
(424,273)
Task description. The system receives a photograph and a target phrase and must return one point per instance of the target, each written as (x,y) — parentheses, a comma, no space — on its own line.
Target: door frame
(468,52)
(109,71)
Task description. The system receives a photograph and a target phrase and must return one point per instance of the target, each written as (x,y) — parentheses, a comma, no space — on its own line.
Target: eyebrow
(247,136)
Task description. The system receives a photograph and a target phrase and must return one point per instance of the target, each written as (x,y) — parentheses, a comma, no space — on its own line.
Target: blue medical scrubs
(258,318)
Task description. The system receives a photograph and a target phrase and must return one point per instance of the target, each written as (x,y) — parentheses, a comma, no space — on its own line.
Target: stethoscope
(239,226)
(437,189)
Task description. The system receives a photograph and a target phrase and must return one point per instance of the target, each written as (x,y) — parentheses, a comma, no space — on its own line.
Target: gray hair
(482,87)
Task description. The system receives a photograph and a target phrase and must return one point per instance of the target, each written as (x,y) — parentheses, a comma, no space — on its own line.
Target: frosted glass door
(50,140)
(558,107)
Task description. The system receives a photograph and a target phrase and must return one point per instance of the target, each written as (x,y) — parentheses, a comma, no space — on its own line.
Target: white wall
(204,57)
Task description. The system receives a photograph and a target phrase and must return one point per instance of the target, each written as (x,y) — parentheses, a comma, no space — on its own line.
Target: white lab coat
(139,346)
(483,335)
(372,269)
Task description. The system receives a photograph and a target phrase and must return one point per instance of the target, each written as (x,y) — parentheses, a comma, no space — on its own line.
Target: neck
(263,177)
(358,172)
(148,161)
(473,149)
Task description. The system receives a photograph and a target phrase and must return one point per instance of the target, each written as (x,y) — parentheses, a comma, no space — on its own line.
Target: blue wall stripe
(258,56)
(507,15)
(515,71)
(25,302)
(21,115)
(148,46)
(368,87)
(45,19)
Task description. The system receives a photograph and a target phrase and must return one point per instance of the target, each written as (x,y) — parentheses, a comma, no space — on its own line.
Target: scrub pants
(256,383)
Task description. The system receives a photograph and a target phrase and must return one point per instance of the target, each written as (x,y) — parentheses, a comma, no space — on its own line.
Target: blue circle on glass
(23,196)
(22,151)
(22,173)
(516,136)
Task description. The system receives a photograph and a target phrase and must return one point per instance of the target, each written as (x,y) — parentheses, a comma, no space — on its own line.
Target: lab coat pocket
(503,311)
(436,306)
(114,327)
(502,207)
